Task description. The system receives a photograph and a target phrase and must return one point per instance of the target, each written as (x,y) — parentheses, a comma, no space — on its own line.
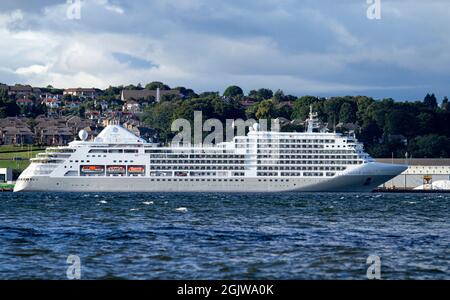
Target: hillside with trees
(386,127)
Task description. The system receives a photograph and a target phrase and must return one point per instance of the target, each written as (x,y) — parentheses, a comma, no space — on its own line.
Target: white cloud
(111,7)
(33,69)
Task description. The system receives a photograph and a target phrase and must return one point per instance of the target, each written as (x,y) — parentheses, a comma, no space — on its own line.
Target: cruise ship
(261,161)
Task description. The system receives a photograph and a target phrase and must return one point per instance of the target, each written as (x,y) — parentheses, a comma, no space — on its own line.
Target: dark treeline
(386,127)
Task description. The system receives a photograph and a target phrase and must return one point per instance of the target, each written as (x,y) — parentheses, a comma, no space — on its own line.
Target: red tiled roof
(24,100)
(49,100)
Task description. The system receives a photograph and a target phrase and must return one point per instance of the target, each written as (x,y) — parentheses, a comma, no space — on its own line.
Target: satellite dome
(83,135)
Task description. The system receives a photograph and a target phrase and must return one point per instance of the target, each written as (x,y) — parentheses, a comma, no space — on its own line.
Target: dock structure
(421,172)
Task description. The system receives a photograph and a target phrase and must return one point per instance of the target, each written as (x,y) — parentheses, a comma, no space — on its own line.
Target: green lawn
(6,186)
(22,155)
(19,165)
(13,148)
(17,157)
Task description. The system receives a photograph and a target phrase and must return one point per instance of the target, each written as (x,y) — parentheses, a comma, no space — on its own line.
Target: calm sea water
(224,236)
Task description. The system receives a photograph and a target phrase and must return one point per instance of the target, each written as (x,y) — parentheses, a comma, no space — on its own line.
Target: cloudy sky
(318,47)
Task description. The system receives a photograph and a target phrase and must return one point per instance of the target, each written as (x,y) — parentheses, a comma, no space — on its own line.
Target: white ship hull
(119,161)
(363,179)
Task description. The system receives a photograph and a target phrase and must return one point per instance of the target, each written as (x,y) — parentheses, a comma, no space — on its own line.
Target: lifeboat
(92,169)
(136,169)
(115,169)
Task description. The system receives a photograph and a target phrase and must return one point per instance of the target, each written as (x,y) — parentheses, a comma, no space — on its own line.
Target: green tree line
(386,127)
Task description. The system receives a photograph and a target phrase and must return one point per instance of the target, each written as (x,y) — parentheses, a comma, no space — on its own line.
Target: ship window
(131,151)
(115,151)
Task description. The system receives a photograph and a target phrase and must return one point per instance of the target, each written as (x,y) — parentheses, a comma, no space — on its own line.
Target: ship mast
(313,121)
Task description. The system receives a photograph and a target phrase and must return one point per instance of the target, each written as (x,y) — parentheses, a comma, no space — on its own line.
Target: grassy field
(18,165)
(6,186)
(17,157)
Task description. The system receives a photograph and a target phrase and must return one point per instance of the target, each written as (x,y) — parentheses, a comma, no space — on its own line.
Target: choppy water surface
(224,236)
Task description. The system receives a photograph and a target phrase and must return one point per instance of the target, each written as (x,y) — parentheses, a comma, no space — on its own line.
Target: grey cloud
(324,43)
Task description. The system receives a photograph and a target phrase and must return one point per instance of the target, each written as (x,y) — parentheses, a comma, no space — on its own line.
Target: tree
(444,104)
(430,101)
(347,113)
(187,93)
(160,116)
(278,96)
(301,107)
(155,85)
(428,146)
(233,91)
(400,121)
(261,94)
(266,110)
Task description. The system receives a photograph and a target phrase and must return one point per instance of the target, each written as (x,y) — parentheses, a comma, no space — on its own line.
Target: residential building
(131,106)
(23,90)
(17,136)
(24,102)
(52,103)
(83,92)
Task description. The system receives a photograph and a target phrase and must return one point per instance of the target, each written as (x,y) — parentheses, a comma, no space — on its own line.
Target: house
(75,123)
(17,135)
(147,133)
(13,122)
(25,102)
(50,95)
(145,94)
(93,131)
(52,102)
(56,135)
(93,115)
(131,106)
(83,92)
(104,105)
(72,104)
(23,90)
(248,102)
